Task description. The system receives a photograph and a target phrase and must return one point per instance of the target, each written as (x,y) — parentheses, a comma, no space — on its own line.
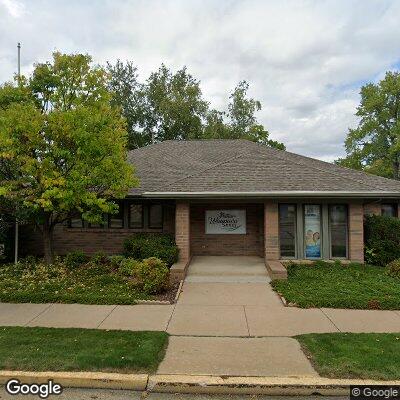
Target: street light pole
(16,238)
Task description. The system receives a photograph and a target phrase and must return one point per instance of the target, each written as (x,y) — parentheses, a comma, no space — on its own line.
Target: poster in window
(312,230)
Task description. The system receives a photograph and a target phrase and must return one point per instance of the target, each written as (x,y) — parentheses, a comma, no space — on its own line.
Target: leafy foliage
(150,275)
(145,245)
(33,281)
(171,106)
(382,239)
(75,259)
(374,145)
(63,146)
(393,268)
(336,285)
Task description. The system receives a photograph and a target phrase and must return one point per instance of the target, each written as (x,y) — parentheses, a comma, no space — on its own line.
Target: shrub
(146,245)
(75,259)
(116,260)
(100,258)
(382,239)
(150,275)
(128,266)
(393,268)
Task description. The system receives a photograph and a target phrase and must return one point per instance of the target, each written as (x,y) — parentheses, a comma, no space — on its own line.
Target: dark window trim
(162,216)
(347,231)
(395,208)
(121,209)
(295,230)
(129,215)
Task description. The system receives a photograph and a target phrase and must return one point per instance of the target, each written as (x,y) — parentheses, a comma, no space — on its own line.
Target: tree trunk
(48,243)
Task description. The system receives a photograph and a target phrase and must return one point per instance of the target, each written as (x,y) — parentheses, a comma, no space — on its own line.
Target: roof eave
(273,194)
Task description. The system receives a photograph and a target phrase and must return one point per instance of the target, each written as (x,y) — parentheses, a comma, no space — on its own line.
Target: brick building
(235,197)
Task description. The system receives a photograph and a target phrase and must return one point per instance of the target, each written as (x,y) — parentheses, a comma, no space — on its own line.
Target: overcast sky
(305,60)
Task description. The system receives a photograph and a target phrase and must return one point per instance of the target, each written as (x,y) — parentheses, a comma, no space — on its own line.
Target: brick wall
(182,230)
(356,232)
(88,240)
(249,244)
(271,231)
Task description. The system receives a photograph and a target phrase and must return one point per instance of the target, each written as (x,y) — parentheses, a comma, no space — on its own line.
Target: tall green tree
(239,121)
(171,106)
(374,146)
(65,143)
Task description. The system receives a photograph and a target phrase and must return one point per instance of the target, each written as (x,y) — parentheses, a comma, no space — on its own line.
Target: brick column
(271,231)
(182,230)
(356,232)
(372,209)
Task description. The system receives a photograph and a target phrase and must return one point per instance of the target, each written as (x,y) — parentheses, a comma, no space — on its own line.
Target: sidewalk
(206,309)
(213,326)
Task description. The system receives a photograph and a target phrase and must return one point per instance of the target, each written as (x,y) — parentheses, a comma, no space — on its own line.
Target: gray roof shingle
(232,166)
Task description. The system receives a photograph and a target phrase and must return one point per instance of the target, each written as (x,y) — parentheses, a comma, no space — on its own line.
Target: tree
(129,94)
(374,146)
(240,121)
(171,106)
(65,143)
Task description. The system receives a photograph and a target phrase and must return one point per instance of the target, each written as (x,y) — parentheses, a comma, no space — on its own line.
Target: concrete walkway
(226,322)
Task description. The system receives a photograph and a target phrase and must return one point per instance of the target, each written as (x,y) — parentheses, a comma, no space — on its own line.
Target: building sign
(228,222)
(312,230)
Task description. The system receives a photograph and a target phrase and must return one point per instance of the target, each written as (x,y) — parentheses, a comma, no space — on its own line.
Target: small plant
(99,258)
(75,259)
(393,268)
(116,260)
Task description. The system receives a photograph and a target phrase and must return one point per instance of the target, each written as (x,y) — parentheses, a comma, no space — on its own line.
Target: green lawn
(340,286)
(56,284)
(354,355)
(54,349)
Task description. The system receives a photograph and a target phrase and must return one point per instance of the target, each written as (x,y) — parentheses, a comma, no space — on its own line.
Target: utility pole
(16,238)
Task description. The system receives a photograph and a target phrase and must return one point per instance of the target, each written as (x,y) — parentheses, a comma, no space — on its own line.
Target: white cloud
(13,7)
(305,60)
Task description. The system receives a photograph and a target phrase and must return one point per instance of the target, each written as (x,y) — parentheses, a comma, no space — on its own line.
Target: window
(312,230)
(155,216)
(287,230)
(338,230)
(117,220)
(136,216)
(390,210)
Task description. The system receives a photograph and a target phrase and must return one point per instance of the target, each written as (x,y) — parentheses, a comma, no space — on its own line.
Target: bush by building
(382,239)
(147,245)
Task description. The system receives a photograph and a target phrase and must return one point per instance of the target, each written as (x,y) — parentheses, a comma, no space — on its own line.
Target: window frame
(142,216)
(331,257)
(295,231)
(395,209)
(121,210)
(150,226)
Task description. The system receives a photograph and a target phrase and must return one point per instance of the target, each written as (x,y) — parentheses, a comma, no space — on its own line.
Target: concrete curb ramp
(277,386)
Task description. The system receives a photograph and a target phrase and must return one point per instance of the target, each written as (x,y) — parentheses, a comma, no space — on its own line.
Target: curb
(98,380)
(274,386)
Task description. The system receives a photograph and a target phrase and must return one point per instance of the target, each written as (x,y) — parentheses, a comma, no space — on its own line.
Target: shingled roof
(229,168)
